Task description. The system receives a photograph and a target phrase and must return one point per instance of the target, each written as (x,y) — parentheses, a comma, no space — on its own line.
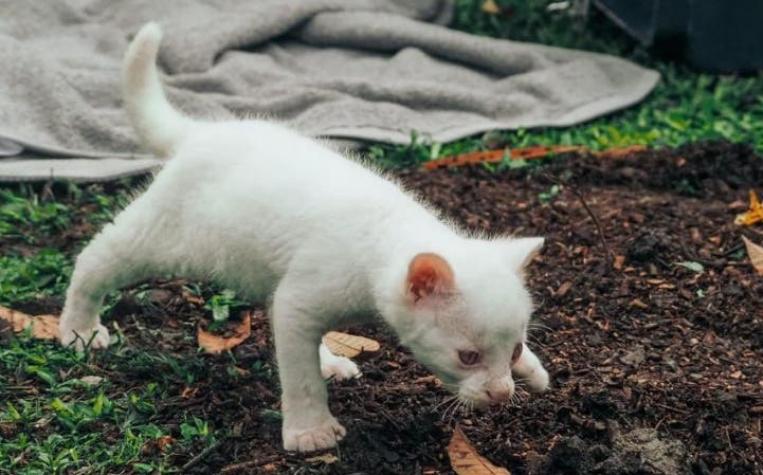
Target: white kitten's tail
(160,126)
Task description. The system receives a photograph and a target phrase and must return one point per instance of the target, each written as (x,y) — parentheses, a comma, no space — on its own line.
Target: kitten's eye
(469,358)
(516,353)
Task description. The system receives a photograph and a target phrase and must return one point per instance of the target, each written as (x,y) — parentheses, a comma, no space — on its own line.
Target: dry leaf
(754,214)
(563,289)
(638,304)
(269,468)
(489,6)
(431,379)
(91,380)
(540,152)
(327,459)
(619,152)
(18,320)
(188,392)
(44,327)
(466,461)
(496,156)
(756,254)
(163,442)
(217,344)
(525,153)
(350,346)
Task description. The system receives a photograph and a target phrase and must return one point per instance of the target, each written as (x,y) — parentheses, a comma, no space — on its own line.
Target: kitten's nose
(499,389)
(498,393)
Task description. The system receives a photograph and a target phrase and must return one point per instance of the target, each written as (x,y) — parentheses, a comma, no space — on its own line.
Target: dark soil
(656,368)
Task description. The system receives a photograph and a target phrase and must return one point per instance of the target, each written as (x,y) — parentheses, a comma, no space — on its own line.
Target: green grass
(54,417)
(72,423)
(25,278)
(52,421)
(685,107)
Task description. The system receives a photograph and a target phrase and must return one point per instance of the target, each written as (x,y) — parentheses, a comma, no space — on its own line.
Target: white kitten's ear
(429,276)
(522,250)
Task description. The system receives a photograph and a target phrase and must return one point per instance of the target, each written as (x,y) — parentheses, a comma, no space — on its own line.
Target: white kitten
(266,211)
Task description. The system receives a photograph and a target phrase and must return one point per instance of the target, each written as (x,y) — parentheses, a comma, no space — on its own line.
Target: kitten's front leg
(529,368)
(307,422)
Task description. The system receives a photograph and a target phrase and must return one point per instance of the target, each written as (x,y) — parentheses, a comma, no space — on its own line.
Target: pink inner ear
(429,274)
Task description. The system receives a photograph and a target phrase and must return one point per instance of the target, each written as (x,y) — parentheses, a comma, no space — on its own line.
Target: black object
(714,35)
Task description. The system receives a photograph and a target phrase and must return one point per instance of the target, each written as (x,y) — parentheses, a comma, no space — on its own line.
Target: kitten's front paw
(339,369)
(97,337)
(538,381)
(323,436)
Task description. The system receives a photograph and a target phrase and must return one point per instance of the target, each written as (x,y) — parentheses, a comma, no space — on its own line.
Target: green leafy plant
(29,277)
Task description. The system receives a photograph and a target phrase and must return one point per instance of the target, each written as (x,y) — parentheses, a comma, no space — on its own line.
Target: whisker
(445,400)
(454,403)
(536,342)
(455,410)
(538,325)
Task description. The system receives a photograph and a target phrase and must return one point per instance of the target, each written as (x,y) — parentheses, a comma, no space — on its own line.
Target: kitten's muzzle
(498,396)
(498,391)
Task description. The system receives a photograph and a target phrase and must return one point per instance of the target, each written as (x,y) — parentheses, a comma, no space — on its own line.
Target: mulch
(636,340)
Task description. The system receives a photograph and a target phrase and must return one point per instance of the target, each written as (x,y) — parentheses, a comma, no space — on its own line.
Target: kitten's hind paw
(324,436)
(93,338)
(340,368)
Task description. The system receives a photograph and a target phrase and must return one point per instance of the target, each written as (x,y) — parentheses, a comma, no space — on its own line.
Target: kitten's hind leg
(529,368)
(336,367)
(120,255)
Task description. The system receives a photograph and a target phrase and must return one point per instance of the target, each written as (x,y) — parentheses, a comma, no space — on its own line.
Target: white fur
(264,210)
(336,367)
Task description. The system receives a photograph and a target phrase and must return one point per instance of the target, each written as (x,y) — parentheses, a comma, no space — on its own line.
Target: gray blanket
(373,70)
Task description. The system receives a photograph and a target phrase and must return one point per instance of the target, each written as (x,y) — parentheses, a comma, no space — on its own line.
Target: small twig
(249,464)
(671,408)
(593,216)
(200,456)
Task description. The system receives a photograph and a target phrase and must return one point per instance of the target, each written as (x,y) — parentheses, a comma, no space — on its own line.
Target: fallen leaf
(164,441)
(496,156)
(540,152)
(217,344)
(619,261)
(754,214)
(327,459)
(619,152)
(350,346)
(563,289)
(635,357)
(91,380)
(431,379)
(466,461)
(489,6)
(692,266)
(638,304)
(756,254)
(44,327)
(188,392)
